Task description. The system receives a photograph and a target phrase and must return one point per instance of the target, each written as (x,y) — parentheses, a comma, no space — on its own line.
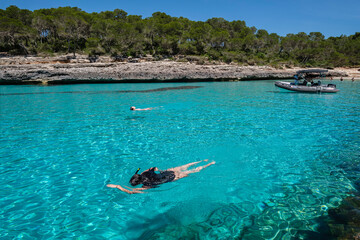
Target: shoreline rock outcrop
(68,71)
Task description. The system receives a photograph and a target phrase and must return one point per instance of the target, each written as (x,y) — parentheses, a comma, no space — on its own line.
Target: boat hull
(308,89)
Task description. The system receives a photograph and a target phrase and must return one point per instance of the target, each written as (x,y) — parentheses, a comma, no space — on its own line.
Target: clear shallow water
(282,159)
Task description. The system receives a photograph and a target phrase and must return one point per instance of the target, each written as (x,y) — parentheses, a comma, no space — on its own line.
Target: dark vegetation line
(107,92)
(66,30)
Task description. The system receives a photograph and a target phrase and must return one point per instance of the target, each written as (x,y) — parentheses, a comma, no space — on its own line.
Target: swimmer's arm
(124,189)
(137,189)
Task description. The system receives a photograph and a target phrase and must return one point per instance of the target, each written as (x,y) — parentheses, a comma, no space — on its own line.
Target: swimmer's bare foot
(112,186)
(209,164)
(205,160)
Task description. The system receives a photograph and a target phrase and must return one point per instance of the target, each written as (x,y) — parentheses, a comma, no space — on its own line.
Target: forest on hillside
(64,30)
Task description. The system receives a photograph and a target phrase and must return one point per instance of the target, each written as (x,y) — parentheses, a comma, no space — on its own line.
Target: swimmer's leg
(198,169)
(182,174)
(186,166)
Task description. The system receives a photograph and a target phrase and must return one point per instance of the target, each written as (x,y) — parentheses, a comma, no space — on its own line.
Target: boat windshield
(306,77)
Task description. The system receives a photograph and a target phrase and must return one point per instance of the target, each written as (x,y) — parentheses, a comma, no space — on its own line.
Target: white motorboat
(307,85)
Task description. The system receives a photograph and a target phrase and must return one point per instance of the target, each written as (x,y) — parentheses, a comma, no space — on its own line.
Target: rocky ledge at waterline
(38,72)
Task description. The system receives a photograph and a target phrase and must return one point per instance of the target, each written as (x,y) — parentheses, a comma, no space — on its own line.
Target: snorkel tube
(137,170)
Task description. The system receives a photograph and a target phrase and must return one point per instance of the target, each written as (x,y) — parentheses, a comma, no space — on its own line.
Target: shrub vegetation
(115,33)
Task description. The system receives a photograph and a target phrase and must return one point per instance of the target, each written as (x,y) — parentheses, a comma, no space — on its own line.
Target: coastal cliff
(35,70)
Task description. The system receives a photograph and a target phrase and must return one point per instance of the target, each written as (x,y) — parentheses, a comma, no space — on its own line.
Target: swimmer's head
(135,180)
(132,108)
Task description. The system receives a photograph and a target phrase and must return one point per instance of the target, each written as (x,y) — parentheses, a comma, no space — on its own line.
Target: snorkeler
(140,109)
(150,179)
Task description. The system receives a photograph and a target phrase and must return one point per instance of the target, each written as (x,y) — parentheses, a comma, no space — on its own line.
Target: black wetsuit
(151,179)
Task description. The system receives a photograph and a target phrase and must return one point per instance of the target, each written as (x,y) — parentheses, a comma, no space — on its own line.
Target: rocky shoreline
(67,70)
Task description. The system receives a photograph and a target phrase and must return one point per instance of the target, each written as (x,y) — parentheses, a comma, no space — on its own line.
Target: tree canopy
(71,30)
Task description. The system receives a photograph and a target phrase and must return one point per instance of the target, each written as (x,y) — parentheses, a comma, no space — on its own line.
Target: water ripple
(282,160)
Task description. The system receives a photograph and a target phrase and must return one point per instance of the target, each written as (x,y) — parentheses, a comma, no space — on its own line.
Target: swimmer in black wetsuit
(150,179)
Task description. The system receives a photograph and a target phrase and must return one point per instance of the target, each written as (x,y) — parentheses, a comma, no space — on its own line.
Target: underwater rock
(348,211)
(224,223)
(172,232)
(357,185)
(345,219)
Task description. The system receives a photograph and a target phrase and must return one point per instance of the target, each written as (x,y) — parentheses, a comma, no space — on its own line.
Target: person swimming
(150,179)
(140,109)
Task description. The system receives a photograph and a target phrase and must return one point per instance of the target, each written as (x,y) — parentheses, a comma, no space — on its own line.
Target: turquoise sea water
(282,160)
